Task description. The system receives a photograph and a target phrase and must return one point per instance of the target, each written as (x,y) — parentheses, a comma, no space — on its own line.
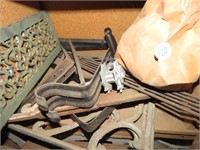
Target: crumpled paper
(162,47)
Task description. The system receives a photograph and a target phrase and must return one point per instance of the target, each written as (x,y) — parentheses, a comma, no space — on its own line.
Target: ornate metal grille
(27,48)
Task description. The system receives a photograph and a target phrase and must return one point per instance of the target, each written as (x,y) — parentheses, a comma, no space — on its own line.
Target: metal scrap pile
(52,94)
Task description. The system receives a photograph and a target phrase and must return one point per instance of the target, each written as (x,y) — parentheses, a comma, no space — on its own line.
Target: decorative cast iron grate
(27,48)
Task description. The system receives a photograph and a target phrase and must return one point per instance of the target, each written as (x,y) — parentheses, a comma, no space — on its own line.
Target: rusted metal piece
(27,48)
(94,141)
(79,96)
(76,92)
(143,133)
(78,67)
(63,70)
(148,138)
(61,94)
(138,113)
(39,126)
(43,138)
(96,122)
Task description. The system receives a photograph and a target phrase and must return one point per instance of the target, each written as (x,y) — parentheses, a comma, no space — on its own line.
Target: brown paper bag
(162,47)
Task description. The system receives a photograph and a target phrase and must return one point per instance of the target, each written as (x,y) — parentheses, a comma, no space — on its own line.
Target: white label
(163,51)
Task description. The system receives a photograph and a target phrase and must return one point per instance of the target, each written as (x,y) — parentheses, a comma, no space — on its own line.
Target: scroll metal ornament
(27,48)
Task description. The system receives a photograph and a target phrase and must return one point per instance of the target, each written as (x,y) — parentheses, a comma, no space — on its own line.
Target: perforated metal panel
(27,48)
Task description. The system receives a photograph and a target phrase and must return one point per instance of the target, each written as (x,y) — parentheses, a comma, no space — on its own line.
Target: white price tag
(163,51)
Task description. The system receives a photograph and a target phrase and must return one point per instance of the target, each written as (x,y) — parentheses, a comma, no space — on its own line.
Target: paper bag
(162,47)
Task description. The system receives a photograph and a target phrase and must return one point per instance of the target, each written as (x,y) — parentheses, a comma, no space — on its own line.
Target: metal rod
(183,95)
(78,66)
(110,39)
(173,111)
(193,105)
(85,44)
(161,98)
(46,139)
(172,97)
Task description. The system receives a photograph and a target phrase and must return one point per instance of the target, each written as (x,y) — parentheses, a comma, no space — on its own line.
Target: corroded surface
(22,55)
(27,48)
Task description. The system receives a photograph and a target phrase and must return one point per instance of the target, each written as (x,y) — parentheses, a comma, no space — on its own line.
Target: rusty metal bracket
(51,95)
(94,141)
(143,132)
(27,48)
(96,122)
(62,94)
